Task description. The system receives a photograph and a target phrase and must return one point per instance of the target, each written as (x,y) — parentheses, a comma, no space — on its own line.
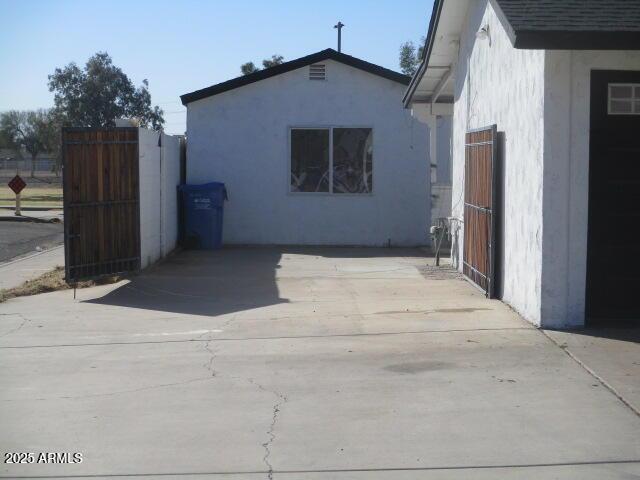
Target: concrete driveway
(300,364)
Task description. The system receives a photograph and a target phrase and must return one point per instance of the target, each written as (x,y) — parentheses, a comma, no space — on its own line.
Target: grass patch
(32,197)
(50,282)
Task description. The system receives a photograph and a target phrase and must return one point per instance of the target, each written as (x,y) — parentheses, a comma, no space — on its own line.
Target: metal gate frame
(106,265)
(475,273)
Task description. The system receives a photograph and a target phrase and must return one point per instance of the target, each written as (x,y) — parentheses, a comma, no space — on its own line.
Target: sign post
(17,184)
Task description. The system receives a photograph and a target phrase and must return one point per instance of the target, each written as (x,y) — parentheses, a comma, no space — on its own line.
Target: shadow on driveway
(204,283)
(624,332)
(217,282)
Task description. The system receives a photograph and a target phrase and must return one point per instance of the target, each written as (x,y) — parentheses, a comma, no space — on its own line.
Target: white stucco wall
(440,202)
(566,178)
(438,116)
(171,180)
(159,177)
(241,138)
(444,124)
(540,101)
(495,83)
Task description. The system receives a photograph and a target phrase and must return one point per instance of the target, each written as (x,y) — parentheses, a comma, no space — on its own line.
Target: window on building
(352,160)
(332,160)
(310,160)
(624,99)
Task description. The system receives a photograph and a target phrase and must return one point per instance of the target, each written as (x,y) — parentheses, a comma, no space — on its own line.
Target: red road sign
(17,184)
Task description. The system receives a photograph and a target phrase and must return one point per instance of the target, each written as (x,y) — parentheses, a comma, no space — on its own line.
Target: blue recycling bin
(203,208)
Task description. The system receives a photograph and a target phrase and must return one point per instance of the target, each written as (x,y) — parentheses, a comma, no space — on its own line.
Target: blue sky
(182,46)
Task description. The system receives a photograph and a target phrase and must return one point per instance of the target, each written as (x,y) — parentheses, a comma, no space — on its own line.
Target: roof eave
(328,54)
(413,85)
(426,53)
(576,40)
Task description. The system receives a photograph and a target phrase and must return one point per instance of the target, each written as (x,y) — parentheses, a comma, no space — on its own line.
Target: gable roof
(328,54)
(530,24)
(571,24)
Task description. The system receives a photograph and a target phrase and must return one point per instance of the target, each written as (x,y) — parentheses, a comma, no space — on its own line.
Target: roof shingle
(576,15)
(571,24)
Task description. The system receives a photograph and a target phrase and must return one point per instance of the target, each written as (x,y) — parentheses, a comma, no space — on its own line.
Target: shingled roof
(530,24)
(571,24)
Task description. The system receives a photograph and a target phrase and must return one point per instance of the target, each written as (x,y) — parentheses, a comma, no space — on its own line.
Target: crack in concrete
(565,348)
(281,400)
(267,445)
(207,346)
(208,366)
(14,330)
(109,394)
(212,355)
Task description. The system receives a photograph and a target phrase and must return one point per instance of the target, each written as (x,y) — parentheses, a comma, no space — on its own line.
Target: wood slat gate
(479,208)
(101,201)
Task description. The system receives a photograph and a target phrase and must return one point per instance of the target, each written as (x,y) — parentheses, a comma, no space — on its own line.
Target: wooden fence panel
(101,201)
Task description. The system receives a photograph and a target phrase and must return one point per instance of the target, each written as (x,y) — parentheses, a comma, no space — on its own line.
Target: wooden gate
(479,207)
(101,201)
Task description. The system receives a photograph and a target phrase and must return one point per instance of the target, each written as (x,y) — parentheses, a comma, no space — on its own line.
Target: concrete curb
(28,256)
(43,208)
(21,218)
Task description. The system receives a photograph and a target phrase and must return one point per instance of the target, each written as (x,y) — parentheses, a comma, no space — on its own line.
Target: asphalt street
(20,238)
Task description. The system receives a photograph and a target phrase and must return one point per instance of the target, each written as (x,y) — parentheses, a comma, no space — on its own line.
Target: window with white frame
(624,99)
(332,160)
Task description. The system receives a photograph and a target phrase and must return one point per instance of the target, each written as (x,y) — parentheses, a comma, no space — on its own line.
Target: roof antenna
(339,26)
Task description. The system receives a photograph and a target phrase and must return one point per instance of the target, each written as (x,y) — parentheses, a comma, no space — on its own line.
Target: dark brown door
(613,259)
(479,208)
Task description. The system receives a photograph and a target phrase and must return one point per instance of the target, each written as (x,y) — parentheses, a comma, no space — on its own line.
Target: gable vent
(317,72)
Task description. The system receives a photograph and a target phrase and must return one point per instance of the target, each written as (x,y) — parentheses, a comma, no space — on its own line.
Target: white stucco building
(560,80)
(316,151)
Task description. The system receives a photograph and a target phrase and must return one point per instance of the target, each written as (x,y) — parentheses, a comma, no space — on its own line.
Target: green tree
(7,140)
(273,61)
(52,139)
(250,67)
(99,94)
(410,58)
(247,68)
(30,130)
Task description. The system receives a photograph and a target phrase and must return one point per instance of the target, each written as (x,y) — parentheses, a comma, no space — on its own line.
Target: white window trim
(330,128)
(632,99)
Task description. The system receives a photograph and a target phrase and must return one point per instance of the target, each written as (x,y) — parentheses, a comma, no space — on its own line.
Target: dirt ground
(50,282)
